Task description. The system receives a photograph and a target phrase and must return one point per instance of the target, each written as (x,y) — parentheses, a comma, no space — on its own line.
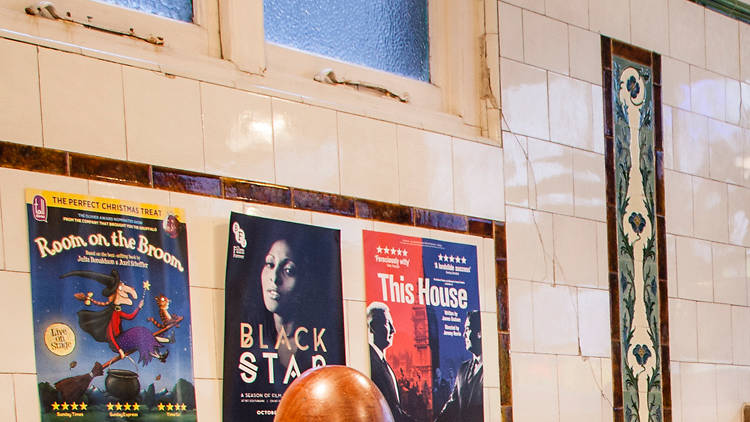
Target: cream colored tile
(710,210)
(545,42)
(368,154)
(740,335)
(606,400)
(744,380)
(745,53)
(698,385)
(708,93)
(278,213)
(516,169)
(746,157)
(306,147)
(7,398)
(570,112)
(487,280)
(129,193)
(490,348)
(589,185)
(358,354)
(218,310)
(671,266)
(722,44)
(163,119)
(207,221)
(602,258)
(400,229)
(82,104)
(573,12)
(16,301)
(676,375)
(13,209)
(678,188)
(578,388)
(667,143)
(728,399)
(687,32)
(747,271)
(207,363)
(610,18)
(521,316)
(593,322)
(2,242)
(714,333)
(729,274)
(555,319)
(478,180)
(524,92)
(20,115)
(492,400)
(238,140)
(424,165)
(26,392)
(585,55)
(552,176)
(535,5)
(745,105)
(694,272)
(511,31)
(352,264)
(675,79)
(575,250)
(534,400)
(734,101)
(690,142)
(529,244)
(725,152)
(597,121)
(683,332)
(208,399)
(649,23)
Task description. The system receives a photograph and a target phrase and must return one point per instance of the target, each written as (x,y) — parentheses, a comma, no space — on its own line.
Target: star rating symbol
(463,260)
(127,406)
(161,407)
(380,250)
(136,407)
(184,407)
(55,406)
(110,406)
(84,406)
(170,407)
(118,406)
(146,285)
(452,258)
(74,406)
(65,406)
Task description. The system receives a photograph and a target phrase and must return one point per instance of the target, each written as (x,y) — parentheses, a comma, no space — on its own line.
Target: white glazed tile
(7,398)
(676,376)
(678,189)
(26,391)
(207,221)
(521,315)
(2,240)
(729,274)
(529,244)
(597,120)
(20,115)
(552,176)
(218,311)
(205,359)
(82,104)
(578,388)
(574,12)
(671,266)
(740,335)
(545,42)
(675,79)
(744,373)
(698,385)
(487,281)
(728,399)
(492,400)
(602,258)
(570,112)
(534,400)
(610,18)
(589,185)
(524,95)
(305,146)
(747,271)
(710,210)
(649,23)
(714,333)
(744,104)
(555,319)
(13,207)
(708,93)
(606,390)
(722,44)
(368,155)
(585,55)
(694,272)
(425,171)
(516,169)
(208,399)
(683,333)
(478,180)
(278,213)
(490,348)
(593,322)
(690,142)
(129,193)
(734,101)
(687,32)
(358,354)
(575,249)
(746,157)
(238,140)
(667,143)
(163,119)
(511,31)
(400,229)
(535,5)
(16,301)
(745,53)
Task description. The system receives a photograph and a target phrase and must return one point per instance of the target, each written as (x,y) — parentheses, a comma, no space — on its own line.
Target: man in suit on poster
(380,336)
(466,401)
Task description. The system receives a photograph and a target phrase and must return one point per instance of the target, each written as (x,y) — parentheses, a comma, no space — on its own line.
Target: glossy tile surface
(722,44)
(690,139)
(710,210)
(714,333)
(545,42)
(725,152)
(589,185)
(570,112)
(610,18)
(738,203)
(578,387)
(551,176)
(531,244)
(520,301)
(575,250)
(585,56)
(687,32)
(20,114)
(729,274)
(478,180)
(425,170)
(683,331)
(649,23)
(511,43)
(15,299)
(678,189)
(534,400)
(676,83)
(593,322)
(694,269)
(698,392)
(708,93)
(573,12)
(558,335)
(524,97)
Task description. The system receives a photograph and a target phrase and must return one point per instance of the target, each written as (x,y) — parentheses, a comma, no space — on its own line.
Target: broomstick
(72,388)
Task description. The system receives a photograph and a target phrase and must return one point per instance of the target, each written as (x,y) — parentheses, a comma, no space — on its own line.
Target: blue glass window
(181,10)
(389,35)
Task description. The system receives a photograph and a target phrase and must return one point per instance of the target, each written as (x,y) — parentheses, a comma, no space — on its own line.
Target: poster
(424,327)
(111,309)
(284,311)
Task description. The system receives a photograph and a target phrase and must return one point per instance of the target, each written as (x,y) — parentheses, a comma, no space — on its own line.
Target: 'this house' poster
(111,309)
(424,327)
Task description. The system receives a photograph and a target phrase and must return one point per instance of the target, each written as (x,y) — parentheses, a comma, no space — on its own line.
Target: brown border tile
(109,170)
(257,192)
(631,52)
(33,158)
(186,182)
(440,220)
(322,202)
(382,211)
(481,227)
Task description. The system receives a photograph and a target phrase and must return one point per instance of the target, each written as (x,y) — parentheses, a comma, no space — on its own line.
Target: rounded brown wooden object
(333,393)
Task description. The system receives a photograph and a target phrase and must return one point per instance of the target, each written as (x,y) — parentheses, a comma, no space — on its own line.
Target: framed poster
(424,327)
(111,309)
(284,311)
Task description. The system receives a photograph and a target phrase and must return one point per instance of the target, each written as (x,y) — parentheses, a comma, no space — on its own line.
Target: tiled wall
(554,193)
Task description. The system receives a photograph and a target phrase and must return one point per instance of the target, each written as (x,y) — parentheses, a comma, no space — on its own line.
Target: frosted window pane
(181,10)
(390,35)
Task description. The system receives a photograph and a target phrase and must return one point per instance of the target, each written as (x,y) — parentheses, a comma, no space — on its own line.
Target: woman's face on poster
(279,276)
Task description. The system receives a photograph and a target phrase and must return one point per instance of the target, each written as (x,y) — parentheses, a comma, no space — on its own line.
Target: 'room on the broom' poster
(111,309)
